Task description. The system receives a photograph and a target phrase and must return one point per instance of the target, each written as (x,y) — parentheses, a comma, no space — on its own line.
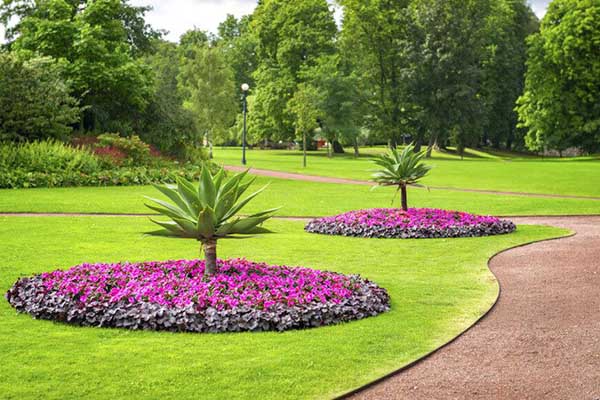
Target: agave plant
(208,211)
(401,169)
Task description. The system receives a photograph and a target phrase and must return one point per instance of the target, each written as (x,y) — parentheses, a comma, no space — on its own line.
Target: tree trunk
(356,154)
(418,143)
(432,141)
(403,197)
(337,147)
(304,149)
(329,149)
(210,257)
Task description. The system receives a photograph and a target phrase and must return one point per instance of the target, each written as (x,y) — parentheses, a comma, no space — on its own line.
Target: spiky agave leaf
(207,211)
(400,168)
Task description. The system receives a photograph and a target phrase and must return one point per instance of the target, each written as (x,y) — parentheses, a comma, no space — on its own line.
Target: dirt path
(325,179)
(541,340)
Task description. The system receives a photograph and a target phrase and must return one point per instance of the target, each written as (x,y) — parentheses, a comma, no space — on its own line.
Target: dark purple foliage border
(28,295)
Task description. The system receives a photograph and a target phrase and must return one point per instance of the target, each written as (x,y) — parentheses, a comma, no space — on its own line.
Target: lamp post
(245,88)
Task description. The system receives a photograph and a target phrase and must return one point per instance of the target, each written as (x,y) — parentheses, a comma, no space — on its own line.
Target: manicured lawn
(438,287)
(297,198)
(579,176)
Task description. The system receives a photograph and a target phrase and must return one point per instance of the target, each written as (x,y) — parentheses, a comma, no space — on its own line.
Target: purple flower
(413,223)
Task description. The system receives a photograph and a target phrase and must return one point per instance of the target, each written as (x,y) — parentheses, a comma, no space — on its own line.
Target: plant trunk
(329,149)
(337,147)
(356,153)
(403,197)
(432,141)
(304,149)
(210,257)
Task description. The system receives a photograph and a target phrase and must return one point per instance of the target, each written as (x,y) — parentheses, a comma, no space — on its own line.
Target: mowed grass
(297,198)
(438,288)
(479,170)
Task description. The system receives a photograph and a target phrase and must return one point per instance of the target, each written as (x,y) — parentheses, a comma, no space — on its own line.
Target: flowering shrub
(415,223)
(173,295)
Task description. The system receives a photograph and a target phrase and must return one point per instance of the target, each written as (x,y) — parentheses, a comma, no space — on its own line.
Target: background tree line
(461,73)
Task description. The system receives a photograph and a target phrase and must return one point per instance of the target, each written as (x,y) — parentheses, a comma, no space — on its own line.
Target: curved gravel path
(326,179)
(540,341)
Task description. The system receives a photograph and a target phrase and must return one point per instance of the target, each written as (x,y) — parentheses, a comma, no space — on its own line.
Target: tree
(207,84)
(165,123)
(305,108)
(510,23)
(208,211)
(400,170)
(450,47)
(99,42)
(34,99)
(376,41)
(290,37)
(239,46)
(341,110)
(561,103)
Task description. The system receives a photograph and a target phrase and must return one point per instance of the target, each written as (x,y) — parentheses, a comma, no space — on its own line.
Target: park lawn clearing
(437,287)
(298,198)
(577,177)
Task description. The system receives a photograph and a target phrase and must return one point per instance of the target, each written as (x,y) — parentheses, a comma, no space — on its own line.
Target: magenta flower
(413,223)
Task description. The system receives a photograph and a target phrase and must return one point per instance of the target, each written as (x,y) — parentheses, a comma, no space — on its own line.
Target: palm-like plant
(401,169)
(207,211)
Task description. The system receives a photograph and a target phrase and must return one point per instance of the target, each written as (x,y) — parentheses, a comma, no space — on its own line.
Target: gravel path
(325,179)
(540,341)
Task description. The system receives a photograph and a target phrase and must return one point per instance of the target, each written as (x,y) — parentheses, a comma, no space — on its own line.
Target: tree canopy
(560,106)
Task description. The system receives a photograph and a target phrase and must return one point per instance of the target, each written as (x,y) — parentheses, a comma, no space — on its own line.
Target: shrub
(415,223)
(47,157)
(125,176)
(54,164)
(174,296)
(35,100)
(136,151)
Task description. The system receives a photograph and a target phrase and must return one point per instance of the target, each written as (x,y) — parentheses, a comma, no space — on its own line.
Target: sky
(177,16)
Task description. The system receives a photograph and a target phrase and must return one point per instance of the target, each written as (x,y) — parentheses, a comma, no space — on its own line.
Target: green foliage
(401,169)
(206,82)
(511,22)
(98,42)
(209,211)
(305,107)
(239,47)
(117,176)
(437,70)
(165,123)
(376,41)
(47,157)
(34,99)
(133,147)
(54,164)
(290,38)
(561,103)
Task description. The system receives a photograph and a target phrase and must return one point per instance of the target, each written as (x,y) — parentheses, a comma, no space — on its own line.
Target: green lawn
(489,171)
(297,198)
(438,287)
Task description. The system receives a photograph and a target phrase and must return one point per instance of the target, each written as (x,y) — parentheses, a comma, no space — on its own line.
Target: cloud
(178,16)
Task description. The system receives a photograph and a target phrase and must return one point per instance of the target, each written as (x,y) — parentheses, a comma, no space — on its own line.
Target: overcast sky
(177,16)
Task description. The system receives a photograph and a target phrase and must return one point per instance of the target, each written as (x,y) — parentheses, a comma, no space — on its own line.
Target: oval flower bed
(416,223)
(174,296)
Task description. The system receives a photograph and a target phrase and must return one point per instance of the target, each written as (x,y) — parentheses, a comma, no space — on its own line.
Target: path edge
(463,332)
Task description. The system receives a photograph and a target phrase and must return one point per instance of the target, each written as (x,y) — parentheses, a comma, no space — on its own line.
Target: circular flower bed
(416,223)
(174,296)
